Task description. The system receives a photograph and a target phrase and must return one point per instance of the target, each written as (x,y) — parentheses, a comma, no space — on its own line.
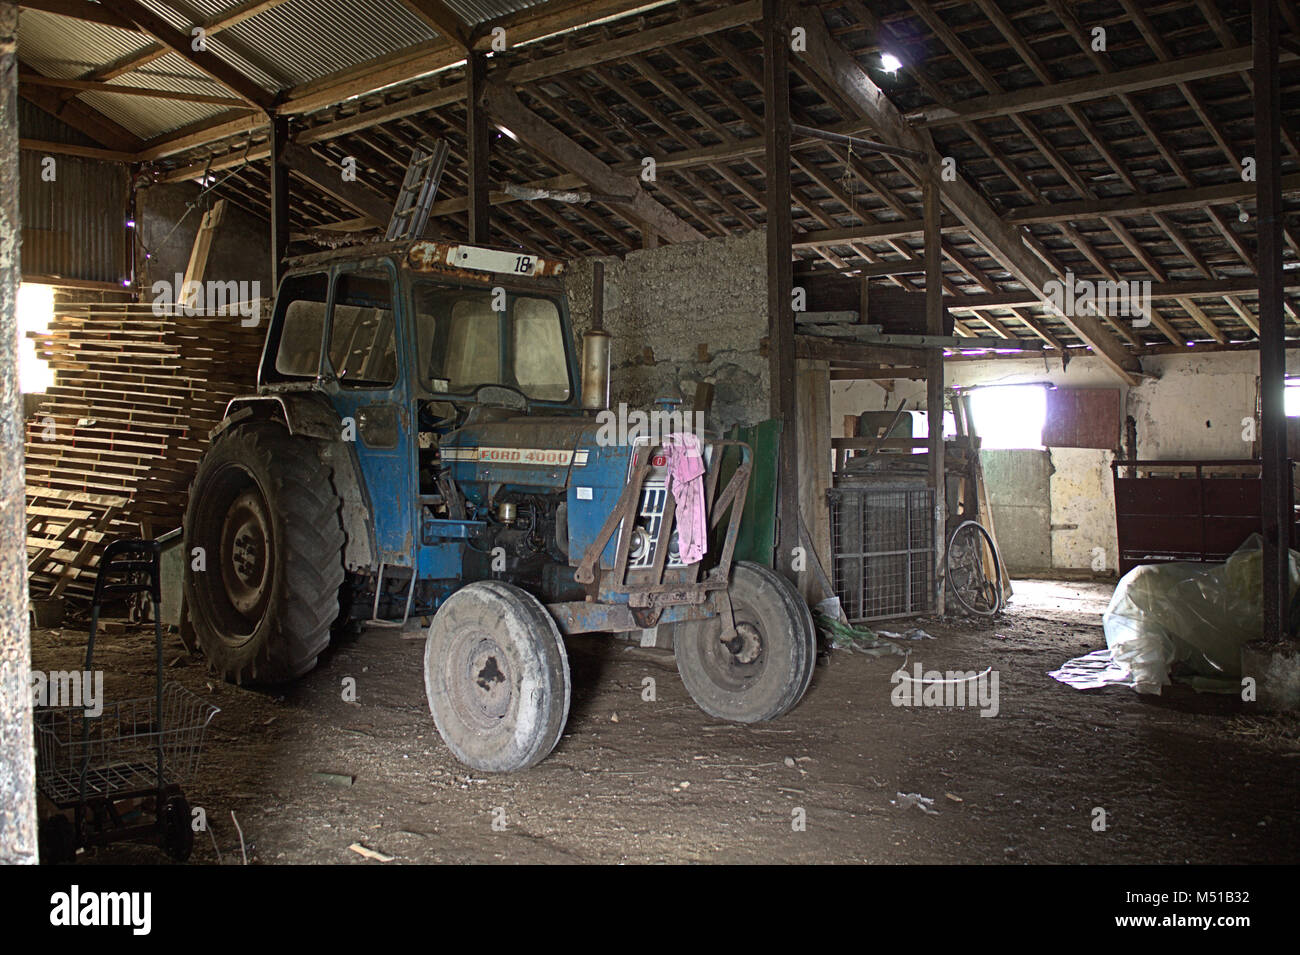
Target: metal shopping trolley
(118,772)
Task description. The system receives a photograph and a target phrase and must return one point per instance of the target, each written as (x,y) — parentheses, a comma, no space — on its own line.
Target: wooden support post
(934,374)
(17,762)
(780,273)
(477,136)
(279,196)
(813,442)
(1275,472)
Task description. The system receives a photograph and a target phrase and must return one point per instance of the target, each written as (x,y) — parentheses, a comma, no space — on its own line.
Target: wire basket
(118,749)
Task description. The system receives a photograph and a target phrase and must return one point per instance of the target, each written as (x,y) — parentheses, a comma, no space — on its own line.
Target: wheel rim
(737,663)
(479,681)
(238,535)
(966,571)
(246,554)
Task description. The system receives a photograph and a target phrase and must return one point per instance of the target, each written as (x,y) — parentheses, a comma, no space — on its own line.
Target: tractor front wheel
(765,668)
(497,676)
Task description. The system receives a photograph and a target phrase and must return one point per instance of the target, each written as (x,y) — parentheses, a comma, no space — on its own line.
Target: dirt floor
(1182,778)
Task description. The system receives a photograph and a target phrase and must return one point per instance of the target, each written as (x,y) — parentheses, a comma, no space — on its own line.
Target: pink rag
(685,476)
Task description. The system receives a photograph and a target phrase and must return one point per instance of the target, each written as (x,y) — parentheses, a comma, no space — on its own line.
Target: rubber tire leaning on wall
(281,640)
(725,685)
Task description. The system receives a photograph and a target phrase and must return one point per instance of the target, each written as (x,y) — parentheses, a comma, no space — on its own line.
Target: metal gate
(882,550)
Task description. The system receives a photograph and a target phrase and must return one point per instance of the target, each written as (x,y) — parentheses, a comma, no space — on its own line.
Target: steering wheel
(501,396)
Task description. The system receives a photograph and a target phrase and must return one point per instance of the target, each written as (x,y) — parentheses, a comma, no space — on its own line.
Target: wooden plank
(121,89)
(199,251)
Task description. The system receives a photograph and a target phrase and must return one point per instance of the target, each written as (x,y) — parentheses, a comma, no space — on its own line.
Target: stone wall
(663,305)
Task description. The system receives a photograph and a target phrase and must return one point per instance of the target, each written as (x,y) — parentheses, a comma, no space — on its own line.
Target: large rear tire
(766,668)
(264,510)
(497,677)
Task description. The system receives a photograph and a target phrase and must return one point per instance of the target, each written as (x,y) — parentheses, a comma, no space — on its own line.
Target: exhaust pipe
(595,348)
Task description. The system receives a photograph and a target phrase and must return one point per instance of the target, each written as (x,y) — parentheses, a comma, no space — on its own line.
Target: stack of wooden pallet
(114,446)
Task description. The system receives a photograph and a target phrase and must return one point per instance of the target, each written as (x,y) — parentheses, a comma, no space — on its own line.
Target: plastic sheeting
(1192,617)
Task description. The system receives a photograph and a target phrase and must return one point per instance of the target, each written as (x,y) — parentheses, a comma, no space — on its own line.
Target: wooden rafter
(1002,242)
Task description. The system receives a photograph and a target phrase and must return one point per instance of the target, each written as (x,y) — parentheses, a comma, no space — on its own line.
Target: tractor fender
(311,416)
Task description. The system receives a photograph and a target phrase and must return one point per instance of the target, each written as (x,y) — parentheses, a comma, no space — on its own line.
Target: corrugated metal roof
(65,48)
(185,16)
(307,39)
(62,47)
(475,12)
(289,44)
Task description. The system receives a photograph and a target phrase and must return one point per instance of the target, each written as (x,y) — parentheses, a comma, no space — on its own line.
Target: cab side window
(363,337)
(303,300)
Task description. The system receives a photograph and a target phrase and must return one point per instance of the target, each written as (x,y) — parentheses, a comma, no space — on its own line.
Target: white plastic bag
(1197,615)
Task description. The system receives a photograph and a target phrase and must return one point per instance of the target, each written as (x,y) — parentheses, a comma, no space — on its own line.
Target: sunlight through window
(35,312)
(1009,417)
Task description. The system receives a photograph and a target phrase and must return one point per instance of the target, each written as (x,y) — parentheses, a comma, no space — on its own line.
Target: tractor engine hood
(535,453)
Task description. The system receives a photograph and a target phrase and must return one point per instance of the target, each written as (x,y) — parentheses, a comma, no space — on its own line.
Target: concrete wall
(1192,407)
(673,300)
(241,247)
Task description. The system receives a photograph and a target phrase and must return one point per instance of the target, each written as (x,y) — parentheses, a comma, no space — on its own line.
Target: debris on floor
(908,800)
(1093,671)
(844,636)
(367,853)
(916,633)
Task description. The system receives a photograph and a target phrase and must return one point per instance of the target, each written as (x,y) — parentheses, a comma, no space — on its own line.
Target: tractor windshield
(466,342)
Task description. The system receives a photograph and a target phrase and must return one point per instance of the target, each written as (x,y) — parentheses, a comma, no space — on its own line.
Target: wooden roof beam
(523,124)
(95,86)
(443,19)
(325,177)
(79,116)
(1087,88)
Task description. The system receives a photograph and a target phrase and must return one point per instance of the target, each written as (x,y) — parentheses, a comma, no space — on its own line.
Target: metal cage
(882,550)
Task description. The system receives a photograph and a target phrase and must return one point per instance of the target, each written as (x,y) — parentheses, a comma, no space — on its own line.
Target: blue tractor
(422,445)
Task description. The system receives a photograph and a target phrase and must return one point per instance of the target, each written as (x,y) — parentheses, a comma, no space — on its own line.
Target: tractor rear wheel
(497,676)
(765,669)
(264,589)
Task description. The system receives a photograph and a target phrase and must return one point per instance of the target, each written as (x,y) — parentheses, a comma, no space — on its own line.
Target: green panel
(757,536)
